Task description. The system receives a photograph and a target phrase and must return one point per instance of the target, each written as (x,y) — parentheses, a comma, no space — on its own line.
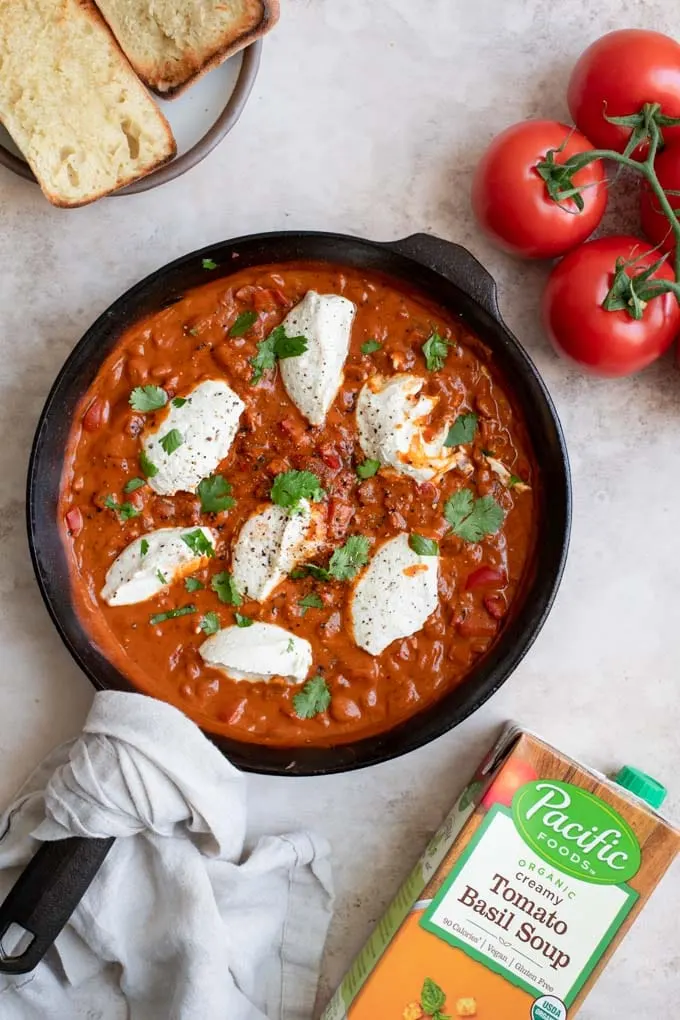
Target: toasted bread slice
(73,104)
(171,42)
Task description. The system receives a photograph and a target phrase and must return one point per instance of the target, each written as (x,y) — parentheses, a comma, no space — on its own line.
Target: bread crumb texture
(73,104)
(169,42)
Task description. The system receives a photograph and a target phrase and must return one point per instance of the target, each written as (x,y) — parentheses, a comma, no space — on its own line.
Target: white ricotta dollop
(271,543)
(313,379)
(392,421)
(207,422)
(394,596)
(152,563)
(258,652)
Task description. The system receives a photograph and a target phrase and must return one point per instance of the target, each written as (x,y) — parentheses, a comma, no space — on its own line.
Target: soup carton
(518,902)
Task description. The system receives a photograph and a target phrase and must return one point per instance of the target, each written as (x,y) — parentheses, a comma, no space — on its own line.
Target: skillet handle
(456,264)
(45,895)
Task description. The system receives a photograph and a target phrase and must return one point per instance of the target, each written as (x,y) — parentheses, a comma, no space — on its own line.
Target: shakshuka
(298,503)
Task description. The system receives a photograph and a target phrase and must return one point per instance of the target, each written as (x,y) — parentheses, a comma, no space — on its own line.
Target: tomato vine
(627,292)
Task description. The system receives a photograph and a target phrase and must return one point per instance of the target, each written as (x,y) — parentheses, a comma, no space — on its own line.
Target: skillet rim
(426,258)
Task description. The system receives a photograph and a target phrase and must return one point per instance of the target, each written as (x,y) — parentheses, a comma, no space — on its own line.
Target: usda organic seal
(548,1008)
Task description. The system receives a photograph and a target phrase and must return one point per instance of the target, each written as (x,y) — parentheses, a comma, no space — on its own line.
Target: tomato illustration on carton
(514,774)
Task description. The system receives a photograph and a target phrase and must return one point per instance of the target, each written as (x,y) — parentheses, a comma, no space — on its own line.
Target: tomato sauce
(188,342)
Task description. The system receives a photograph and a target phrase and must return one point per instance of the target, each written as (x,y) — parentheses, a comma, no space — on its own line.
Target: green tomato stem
(657,287)
(646,169)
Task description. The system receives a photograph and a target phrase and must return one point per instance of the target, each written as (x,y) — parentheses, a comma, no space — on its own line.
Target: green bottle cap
(642,785)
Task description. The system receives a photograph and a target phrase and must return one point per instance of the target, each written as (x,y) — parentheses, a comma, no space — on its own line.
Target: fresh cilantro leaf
(171,441)
(198,543)
(148,398)
(344,564)
(290,647)
(462,431)
(514,480)
(288,346)
(133,485)
(171,614)
(292,486)
(346,561)
(310,570)
(370,347)
(143,547)
(124,510)
(423,546)
(209,264)
(147,467)
(161,577)
(459,506)
(311,601)
(312,699)
(276,345)
(435,350)
(244,321)
(179,401)
(368,468)
(224,586)
(210,623)
(264,360)
(193,584)
(319,573)
(471,519)
(243,621)
(432,997)
(215,494)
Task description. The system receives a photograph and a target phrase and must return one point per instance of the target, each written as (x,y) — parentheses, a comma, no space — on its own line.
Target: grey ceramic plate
(199,119)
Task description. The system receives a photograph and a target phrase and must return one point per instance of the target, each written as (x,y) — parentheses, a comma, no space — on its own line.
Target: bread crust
(192,70)
(55,199)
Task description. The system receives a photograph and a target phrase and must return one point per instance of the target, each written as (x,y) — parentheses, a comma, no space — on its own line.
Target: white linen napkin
(174,926)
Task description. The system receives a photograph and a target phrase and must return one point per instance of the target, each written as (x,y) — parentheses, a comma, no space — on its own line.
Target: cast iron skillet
(453,278)
(51,886)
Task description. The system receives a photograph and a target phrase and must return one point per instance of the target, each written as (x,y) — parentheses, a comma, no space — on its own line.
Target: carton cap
(643,786)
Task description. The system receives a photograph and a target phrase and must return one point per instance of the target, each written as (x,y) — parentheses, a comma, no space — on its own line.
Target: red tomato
(339,516)
(511,200)
(293,429)
(617,75)
(495,606)
(607,343)
(96,415)
(330,457)
(485,577)
(428,492)
(508,781)
(265,300)
(74,521)
(654,222)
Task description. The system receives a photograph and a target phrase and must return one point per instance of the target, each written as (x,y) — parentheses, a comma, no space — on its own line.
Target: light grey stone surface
(367,118)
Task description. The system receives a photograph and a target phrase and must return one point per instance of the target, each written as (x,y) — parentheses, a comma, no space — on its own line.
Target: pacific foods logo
(576,831)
